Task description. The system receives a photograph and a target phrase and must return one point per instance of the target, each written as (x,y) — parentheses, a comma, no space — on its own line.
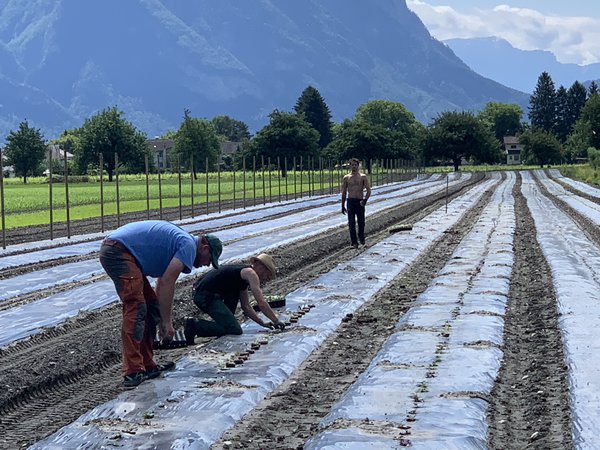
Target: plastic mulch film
(575,264)
(352,439)
(242,242)
(579,185)
(427,386)
(589,209)
(50,277)
(192,406)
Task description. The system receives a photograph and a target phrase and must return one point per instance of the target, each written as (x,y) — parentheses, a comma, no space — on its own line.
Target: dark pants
(141,313)
(221,311)
(356,213)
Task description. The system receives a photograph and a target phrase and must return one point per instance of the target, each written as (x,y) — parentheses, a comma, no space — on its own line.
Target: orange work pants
(141,313)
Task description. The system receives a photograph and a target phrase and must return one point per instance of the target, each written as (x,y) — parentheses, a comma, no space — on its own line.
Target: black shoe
(156,371)
(354,245)
(189,330)
(133,380)
(362,242)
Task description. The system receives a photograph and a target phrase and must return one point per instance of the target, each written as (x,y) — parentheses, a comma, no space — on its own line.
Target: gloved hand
(343,209)
(363,203)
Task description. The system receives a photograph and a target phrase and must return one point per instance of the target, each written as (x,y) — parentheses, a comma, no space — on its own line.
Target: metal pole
(2,201)
(117,190)
(146,165)
(179,180)
(101,192)
(50,193)
(68,211)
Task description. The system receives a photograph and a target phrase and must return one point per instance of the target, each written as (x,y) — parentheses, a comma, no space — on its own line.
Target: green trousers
(221,311)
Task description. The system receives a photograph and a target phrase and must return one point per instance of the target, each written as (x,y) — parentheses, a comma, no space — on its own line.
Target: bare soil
(51,379)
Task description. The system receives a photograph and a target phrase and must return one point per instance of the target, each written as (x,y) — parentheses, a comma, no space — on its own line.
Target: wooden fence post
(2,213)
(50,193)
(67,209)
(179,180)
(101,192)
(146,165)
(117,190)
(206,167)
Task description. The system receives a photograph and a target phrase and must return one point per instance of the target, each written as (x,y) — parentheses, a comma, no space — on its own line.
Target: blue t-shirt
(154,243)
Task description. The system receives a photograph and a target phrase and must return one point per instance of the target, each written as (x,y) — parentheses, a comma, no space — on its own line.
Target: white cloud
(571,39)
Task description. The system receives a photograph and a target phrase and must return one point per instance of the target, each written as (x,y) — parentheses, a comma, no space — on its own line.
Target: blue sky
(568,28)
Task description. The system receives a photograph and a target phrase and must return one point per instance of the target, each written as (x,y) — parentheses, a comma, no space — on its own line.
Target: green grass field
(28,204)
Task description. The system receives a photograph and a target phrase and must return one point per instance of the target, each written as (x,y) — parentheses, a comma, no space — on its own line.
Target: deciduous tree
(287,135)
(108,133)
(25,150)
(231,129)
(456,135)
(503,119)
(405,132)
(196,139)
(362,140)
(540,147)
(590,115)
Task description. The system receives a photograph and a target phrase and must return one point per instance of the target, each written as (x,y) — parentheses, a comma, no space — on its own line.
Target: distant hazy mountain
(497,59)
(61,61)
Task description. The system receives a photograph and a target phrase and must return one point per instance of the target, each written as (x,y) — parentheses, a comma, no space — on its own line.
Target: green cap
(216,248)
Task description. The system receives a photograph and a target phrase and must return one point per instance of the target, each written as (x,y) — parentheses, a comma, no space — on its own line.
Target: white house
(512,149)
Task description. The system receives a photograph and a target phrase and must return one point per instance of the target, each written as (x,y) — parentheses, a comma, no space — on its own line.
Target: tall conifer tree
(316,112)
(542,104)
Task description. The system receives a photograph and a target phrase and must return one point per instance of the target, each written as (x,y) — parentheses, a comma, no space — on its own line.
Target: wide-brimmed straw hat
(267,261)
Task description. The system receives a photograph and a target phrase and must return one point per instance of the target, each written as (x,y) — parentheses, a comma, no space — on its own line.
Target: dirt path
(52,378)
(529,404)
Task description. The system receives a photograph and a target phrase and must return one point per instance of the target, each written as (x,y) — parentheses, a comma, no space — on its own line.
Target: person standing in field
(356,190)
(159,249)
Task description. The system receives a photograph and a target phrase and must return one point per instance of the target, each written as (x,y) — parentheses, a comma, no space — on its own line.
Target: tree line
(562,127)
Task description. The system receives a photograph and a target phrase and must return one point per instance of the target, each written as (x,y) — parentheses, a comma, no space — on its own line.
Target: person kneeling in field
(218,292)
